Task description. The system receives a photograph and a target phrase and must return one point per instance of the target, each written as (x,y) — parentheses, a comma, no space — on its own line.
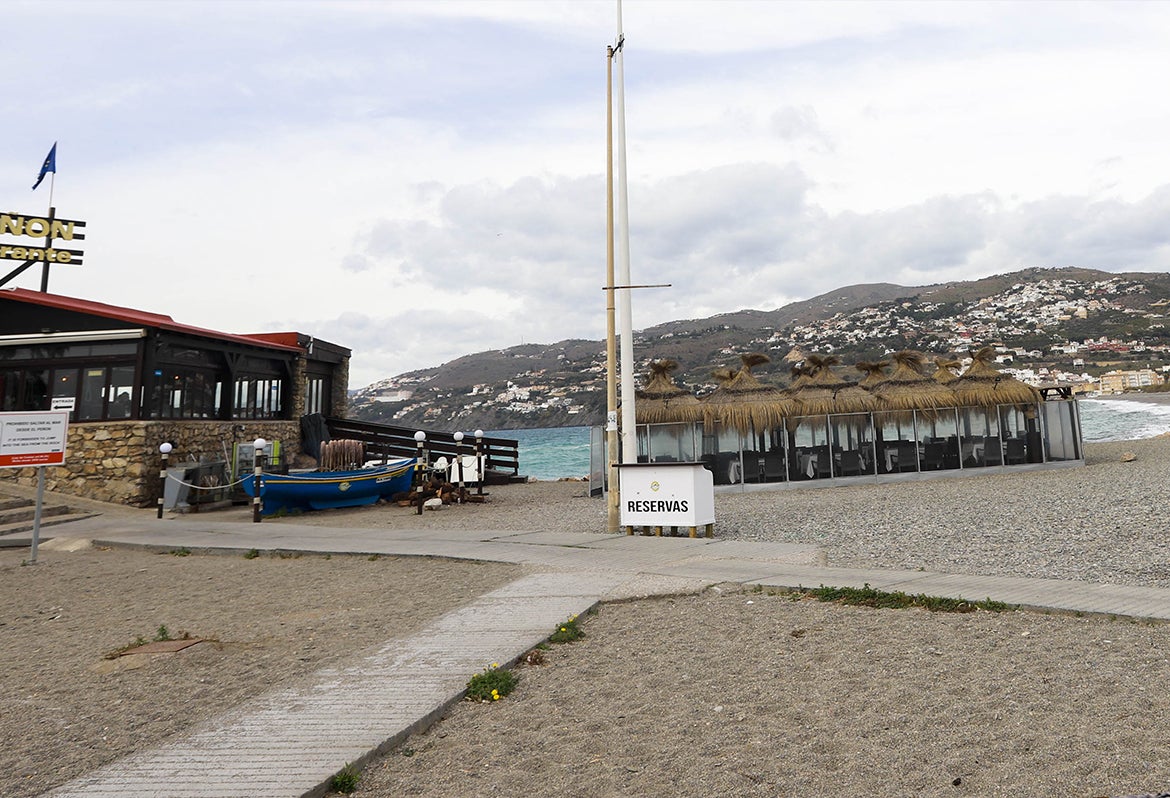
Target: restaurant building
(826,431)
(132,379)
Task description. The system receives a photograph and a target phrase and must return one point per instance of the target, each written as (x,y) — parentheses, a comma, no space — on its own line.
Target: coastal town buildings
(1120,381)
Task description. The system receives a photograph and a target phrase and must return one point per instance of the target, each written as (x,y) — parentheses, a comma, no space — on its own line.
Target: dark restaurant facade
(132,379)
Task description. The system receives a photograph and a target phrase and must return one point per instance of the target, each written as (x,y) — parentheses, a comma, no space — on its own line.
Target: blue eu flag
(50,165)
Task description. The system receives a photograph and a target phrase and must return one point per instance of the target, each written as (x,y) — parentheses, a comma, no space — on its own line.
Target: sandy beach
(727,692)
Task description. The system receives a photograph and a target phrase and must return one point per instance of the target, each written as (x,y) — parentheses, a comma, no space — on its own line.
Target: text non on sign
(33,439)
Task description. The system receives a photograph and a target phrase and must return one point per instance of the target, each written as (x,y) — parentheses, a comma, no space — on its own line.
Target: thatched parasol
(946,370)
(983,385)
(664,402)
(744,403)
(826,392)
(907,388)
(874,373)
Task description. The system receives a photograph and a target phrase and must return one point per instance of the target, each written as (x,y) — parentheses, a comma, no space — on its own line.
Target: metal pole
(611,414)
(48,239)
(628,425)
(36,530)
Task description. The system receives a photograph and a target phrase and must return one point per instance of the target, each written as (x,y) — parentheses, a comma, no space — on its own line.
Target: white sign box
(666,494)
(33,439)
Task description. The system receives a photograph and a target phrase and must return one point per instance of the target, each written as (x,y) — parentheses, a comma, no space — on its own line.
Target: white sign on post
(33,439)
(37,440)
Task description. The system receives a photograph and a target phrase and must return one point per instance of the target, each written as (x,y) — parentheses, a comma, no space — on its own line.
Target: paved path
(289,742)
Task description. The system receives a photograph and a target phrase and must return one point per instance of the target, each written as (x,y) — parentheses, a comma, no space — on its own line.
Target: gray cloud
(737,236)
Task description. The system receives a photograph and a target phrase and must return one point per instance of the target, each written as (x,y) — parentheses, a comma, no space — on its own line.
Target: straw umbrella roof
(827,392)
(663,401)
(874,372)
(946,370)
(907,388)
(983,385)
(744,403)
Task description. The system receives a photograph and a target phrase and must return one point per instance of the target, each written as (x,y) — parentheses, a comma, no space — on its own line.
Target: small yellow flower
(563,629)
(495,695)
(495,664)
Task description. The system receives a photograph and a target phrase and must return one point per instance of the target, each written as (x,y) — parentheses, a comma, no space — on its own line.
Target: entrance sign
(33,439)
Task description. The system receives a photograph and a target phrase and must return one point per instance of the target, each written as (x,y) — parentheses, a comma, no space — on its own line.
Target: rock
(1128,457)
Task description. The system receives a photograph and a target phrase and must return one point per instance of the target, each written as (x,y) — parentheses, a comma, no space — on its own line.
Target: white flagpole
(628,429)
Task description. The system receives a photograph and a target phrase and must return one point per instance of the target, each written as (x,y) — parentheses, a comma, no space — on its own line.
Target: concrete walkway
(289,742)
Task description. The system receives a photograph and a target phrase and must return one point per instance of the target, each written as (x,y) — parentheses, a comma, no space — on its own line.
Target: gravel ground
(724,693)
(1096,523)
(755,695)
(66,709)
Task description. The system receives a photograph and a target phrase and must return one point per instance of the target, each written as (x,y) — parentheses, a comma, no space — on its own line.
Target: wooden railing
(501,455)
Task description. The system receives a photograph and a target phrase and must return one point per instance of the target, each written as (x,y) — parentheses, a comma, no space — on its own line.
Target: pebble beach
(726,692)
(1098,523)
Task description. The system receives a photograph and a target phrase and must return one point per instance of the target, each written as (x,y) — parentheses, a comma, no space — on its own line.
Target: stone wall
(118,461)
(339,400)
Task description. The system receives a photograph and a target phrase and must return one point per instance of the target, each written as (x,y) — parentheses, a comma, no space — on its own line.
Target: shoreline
(1161,398)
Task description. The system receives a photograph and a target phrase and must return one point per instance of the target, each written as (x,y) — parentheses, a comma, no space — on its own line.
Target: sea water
(1122,419)
(549,454)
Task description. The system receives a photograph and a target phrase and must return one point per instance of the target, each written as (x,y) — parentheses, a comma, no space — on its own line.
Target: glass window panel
(93,394)
(121,391)
(9,380)
(1060,425)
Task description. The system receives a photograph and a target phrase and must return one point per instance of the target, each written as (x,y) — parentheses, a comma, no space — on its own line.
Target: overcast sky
(418,181)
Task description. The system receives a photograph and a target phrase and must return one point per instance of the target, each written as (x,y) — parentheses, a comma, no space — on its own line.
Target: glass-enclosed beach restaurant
(877,446)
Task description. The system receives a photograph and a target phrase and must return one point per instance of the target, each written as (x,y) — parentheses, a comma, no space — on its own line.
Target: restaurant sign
(33,439)
(666,494)
(48,228)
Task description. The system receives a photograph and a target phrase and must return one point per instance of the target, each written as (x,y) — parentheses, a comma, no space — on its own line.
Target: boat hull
(322,490)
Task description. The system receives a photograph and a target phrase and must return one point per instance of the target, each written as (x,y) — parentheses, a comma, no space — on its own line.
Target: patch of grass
(285,512)
(567,632)
(880,599)
(345,781)
(161,635)
(251,554)
(181,552)
(117,652)
(491,684)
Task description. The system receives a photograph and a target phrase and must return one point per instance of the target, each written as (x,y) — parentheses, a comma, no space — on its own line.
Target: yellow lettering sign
(36,227)
(37,254)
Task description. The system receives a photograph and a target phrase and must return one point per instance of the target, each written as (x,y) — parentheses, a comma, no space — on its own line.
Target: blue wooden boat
(321,490)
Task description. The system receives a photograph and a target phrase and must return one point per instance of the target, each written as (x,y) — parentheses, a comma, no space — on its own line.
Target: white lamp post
(164,449)
(459,458)
(479,461)
(420,438)
(257,476)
